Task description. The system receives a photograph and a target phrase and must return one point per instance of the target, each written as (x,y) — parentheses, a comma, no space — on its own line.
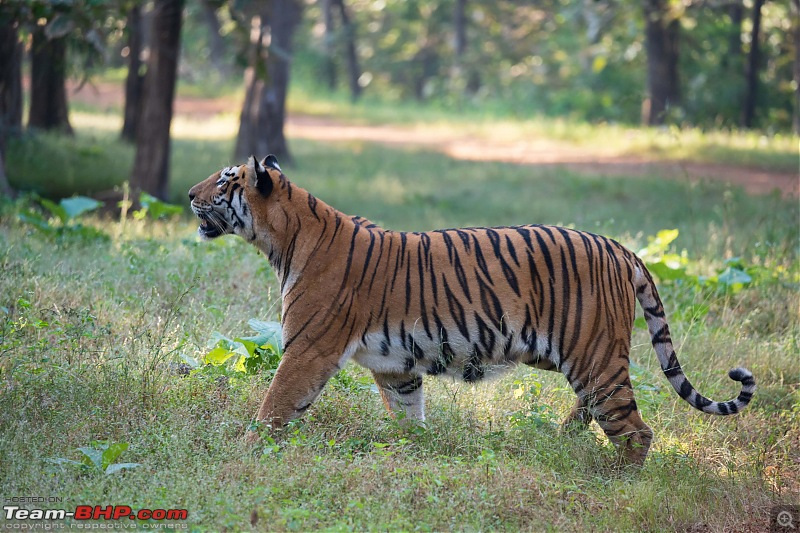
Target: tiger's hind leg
(607,397)
(402,393)
(612,405)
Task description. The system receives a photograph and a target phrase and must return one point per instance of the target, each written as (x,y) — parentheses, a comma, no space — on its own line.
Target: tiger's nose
(192,194)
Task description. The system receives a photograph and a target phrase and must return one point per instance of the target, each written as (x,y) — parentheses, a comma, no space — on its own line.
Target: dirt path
(537,151)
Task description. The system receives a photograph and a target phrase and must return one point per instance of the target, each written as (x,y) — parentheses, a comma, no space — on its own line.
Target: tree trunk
(328,44)
(216,43)
(661,41)
(350,54)
(736,13)
(49,110)
(10,91)
(5,188)
(134,83)
(751,69)
(151,163)
(267,79)
(460,29)
(796,17)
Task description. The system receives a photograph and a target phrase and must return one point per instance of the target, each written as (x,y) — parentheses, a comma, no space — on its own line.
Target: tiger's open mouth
(211,225)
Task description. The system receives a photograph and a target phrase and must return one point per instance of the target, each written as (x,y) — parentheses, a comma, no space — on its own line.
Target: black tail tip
(742,375)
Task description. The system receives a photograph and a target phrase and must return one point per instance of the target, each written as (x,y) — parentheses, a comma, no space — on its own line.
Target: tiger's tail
(654,314)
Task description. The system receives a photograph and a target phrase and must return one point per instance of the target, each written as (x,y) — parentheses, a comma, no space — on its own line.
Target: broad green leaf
(56,209)
(36,221)
(113,451)
(92,457)
(78,205)
(731,276)
(191,361)
(270,333)
(248,344)
(664,272)
(658,244)
(218,339)
(156,208)
(640,323)
(119,467)
(218,356)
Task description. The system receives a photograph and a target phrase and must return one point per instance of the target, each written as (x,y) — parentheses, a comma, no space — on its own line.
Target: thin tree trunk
(261,126)
(248,140)
(328,44)
(736,13)
(350,54)
(216,42)
(49,110)
(10,91)
(151,163)
(134,83)
(751,69)
(460,29)
(5,188)
(661,41)
(796,16)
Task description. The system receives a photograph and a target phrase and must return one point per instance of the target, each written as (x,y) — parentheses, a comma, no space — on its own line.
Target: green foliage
(155,208)
(731,278)
(246,355)
(586,60)
(98,457)
(58,166)
(62,220)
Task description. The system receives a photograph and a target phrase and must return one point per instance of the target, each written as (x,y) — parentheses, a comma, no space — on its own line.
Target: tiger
(455,303)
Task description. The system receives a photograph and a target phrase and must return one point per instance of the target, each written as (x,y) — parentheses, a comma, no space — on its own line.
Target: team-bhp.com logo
(96,512)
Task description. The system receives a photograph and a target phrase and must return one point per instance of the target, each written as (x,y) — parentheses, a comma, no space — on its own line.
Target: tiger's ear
(271,162)
(261,178)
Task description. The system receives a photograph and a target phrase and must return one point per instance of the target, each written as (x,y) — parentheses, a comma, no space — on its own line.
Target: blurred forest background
(708,64)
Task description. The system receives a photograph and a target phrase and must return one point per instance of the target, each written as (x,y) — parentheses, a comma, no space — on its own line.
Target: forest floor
(463,145)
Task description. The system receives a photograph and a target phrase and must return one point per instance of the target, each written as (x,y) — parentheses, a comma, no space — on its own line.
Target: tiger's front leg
(402,393)
(298,381)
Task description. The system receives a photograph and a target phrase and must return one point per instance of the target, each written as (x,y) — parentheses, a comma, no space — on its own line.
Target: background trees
(151,164)
(713,64)
(267,79)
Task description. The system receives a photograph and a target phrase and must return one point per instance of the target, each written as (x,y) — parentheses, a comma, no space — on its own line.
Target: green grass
(91,328)
(774,152)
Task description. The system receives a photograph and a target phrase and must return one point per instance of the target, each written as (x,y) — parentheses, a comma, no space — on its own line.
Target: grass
(92,330)
(774,152)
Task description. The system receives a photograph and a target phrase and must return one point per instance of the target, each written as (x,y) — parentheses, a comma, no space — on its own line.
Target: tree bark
(736,13)
(151,163)
(267,79)
(796,17)
(10,90)
(5,188)
(328,45)
(216,43)
(350,53)
(134,83)
(49,109)
(460,29)
(751,69)
(661,42)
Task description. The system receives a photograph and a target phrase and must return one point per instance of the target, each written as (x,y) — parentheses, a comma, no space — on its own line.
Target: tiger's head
(231,201)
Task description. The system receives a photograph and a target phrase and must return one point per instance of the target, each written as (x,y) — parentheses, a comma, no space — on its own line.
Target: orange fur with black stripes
(461,302)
